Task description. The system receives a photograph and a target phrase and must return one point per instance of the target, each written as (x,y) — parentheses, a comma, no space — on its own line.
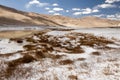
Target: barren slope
(10,16)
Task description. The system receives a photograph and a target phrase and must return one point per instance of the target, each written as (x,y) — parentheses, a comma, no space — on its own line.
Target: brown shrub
(71,37)
(61,29)
(58,56)
(70,68)
(84,65)
(40,54)
(29,47)
(96,53)
(107,71)
(25,59)
(18,40)
(73,77)
(81,59)
(75,50)
(78,50)
(91,40)
(112,60)
(66,62)
(12,65)
(29,39)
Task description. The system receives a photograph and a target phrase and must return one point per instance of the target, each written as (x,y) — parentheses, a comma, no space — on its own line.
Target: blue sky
(73,8)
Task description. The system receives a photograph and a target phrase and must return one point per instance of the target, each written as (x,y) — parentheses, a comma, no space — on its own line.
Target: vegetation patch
(75,50)
(81,59)
(73,77)
(30,47)
(66,62)
(12,65)
(25,59)
(18,40)
(96,53)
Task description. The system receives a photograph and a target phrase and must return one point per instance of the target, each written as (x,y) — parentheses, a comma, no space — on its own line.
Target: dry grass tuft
(58,56)
(90,40)
(66,62)
(73,77)
(107,71)
(75,50)
(96,53)
(25,59)
(30,40)
(81,59)
(40,54)
(18,40)
(12,65)
(30,47)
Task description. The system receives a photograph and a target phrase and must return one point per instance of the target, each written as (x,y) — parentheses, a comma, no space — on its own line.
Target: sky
(73,8)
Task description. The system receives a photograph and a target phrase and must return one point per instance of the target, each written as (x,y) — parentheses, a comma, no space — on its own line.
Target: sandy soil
(16,34)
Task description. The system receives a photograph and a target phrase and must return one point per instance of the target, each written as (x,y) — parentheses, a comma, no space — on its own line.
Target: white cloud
(114,16)
(47,8)
(110,16)
(55,4)
(95,10)
(89,11)
(51,11)
(86,11)
(76,9)
(56,14)
(37,3)
(67,11)
(58,9)
(111,1)
(100,15)
(105,6)
(77,13)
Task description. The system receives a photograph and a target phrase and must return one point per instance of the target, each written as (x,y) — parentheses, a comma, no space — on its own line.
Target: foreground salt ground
(60,55)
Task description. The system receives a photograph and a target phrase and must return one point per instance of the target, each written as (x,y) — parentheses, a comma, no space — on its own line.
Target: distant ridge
(10,16)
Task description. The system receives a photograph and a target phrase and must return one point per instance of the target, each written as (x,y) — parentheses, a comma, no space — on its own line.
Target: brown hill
(10,16)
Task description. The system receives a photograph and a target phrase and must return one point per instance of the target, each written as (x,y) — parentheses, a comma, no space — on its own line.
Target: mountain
(10,16)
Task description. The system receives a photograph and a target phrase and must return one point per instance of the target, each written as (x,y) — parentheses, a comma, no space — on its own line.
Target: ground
(61,54)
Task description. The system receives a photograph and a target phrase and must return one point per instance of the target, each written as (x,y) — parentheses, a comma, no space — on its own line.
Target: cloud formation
(56,14)
(111,1)
(99,15)
(51,11)
(77,13)
(67,11)
(55,4)
(106,6)
(86,11)
(95,10)
(37,3)
(114,16)
(47,8)
(76,9)
(58,9)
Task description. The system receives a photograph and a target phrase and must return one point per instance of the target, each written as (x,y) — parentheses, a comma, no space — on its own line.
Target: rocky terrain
(10,16)
(60,54)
